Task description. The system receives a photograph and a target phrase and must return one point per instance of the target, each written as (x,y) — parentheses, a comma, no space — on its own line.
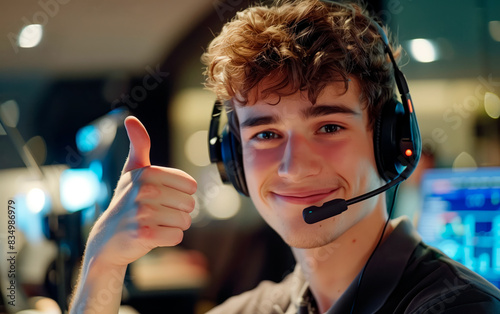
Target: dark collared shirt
(404,276)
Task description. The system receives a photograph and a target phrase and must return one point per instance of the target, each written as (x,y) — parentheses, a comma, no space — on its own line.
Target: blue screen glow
(79,189)
(461,216)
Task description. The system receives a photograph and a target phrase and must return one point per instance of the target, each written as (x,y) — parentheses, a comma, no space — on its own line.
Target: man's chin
(306,246)
(307,242)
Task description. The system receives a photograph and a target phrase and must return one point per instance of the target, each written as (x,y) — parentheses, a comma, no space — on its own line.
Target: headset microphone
(314,214)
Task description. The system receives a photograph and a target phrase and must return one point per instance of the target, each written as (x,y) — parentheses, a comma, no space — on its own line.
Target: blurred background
(71,71)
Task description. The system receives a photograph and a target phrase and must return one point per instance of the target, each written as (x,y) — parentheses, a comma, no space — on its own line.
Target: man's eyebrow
(310,112)
(256,121)
(323,110)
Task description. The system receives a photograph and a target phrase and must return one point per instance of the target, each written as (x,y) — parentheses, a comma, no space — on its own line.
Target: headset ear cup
(233,160)
(387,138)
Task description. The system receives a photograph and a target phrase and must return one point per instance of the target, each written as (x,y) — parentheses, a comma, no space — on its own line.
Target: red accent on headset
(410,106)
(408,152)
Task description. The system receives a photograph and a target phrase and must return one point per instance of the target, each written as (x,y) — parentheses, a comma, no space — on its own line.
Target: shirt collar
(382,273)
(299,288)
(380,278)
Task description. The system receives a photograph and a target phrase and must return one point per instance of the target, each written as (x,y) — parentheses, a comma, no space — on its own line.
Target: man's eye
(266,135)
(330,128)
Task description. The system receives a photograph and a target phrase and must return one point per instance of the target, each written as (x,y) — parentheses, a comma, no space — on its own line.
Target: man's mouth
(304,197)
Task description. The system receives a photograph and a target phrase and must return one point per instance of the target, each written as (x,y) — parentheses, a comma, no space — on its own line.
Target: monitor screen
(461,216)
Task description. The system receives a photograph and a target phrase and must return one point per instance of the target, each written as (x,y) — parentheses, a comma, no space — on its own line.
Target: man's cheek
(261,159)
(260,166)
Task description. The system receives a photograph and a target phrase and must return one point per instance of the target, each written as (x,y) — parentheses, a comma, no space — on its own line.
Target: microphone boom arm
(314,214)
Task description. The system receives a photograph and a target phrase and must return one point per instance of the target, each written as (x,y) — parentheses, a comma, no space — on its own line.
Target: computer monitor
(461,216)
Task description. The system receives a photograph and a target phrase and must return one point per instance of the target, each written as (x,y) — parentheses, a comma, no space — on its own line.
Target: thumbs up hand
(150,207)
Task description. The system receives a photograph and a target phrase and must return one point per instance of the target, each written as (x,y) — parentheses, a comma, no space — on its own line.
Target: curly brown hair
(302,45)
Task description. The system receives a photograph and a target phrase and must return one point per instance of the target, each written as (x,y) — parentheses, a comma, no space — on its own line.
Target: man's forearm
(99,288)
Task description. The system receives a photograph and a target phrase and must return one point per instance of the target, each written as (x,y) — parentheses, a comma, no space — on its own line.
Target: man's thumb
(140,145)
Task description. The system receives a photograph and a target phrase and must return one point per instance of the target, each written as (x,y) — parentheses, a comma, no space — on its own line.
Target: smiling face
(297,154)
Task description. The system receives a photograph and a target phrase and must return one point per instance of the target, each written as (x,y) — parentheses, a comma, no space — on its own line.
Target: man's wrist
(100,287)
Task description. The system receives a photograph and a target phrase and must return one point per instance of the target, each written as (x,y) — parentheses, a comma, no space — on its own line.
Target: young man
(306,82)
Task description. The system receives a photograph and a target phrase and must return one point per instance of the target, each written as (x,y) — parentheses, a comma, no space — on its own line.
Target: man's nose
(299,159)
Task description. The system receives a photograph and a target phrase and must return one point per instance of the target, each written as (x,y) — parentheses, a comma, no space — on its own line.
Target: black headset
(396,136)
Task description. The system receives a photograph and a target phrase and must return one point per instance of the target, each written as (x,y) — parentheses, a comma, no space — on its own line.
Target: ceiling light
(494,28)
(196,148)
(9,113)
(423,50)
(225,204)
(492,105)
(35,200)
(30,36)
(464,161)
